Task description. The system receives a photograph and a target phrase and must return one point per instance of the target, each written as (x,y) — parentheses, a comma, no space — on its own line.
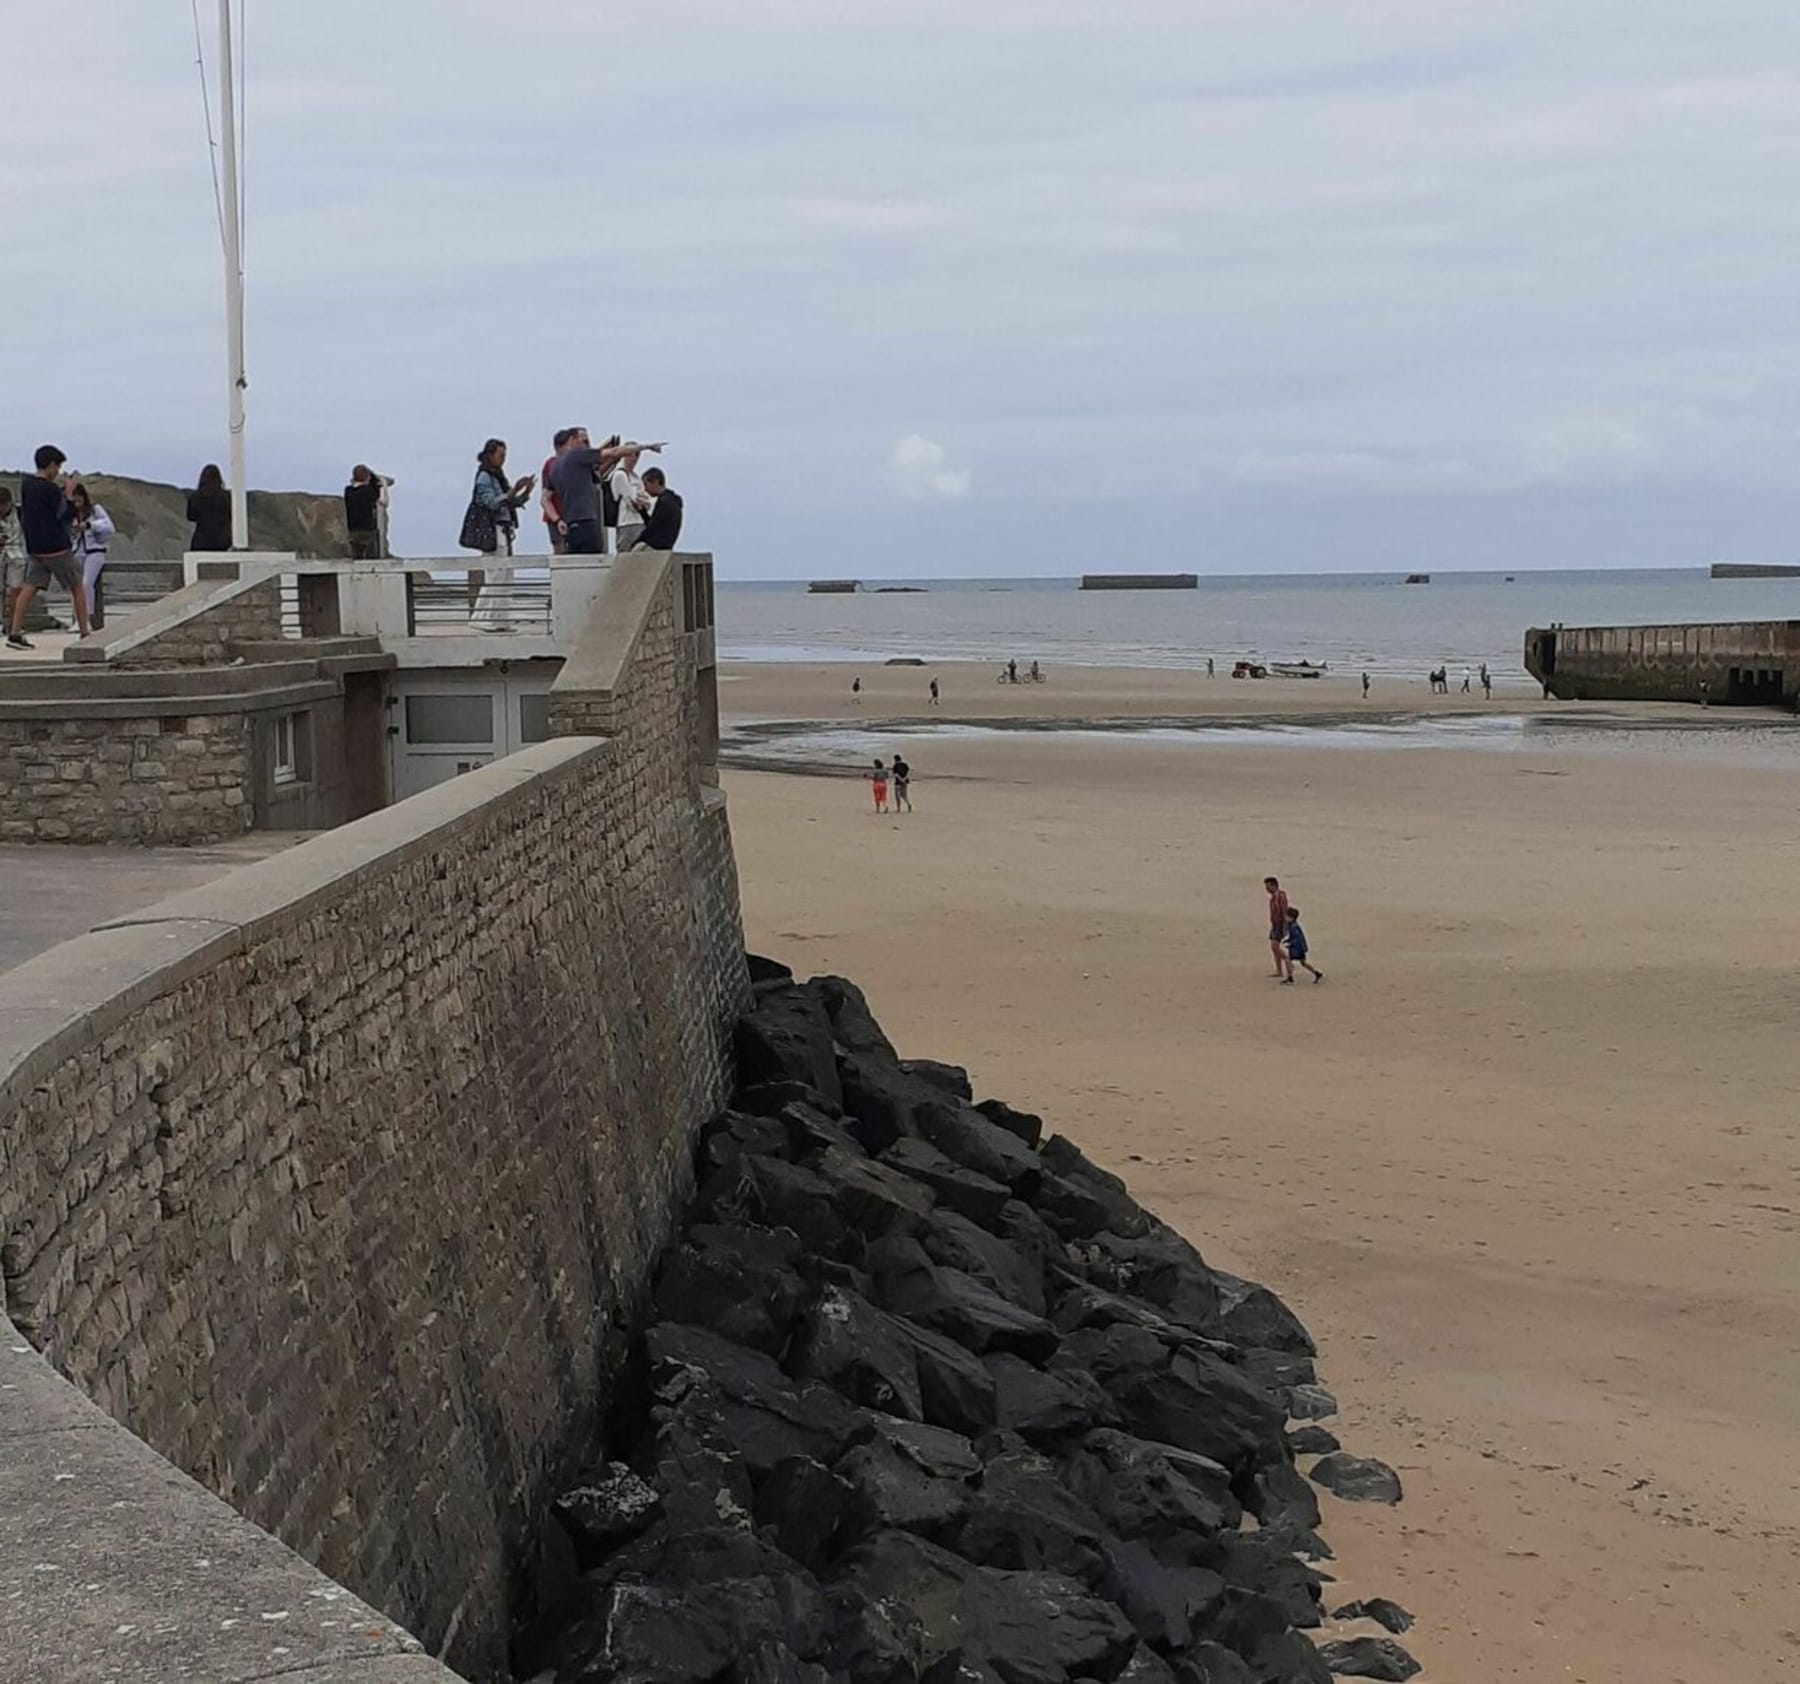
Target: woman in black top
(209,508)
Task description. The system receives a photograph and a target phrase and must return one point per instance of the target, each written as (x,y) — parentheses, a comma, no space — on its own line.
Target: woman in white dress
(496,608)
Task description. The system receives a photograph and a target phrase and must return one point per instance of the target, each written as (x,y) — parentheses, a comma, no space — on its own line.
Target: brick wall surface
(345,1221)
(163,778)
(206,639)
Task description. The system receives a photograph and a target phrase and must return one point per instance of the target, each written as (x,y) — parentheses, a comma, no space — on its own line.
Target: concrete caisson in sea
(1140,581)
(1746,663)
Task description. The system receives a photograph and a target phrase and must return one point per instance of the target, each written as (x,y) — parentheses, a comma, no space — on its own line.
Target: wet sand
(1527,1162)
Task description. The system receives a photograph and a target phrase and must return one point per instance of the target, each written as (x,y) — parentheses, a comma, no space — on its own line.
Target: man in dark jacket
(662,526)
(362,513)
(49,550)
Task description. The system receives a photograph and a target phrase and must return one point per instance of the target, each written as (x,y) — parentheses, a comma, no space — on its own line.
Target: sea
(1352,623)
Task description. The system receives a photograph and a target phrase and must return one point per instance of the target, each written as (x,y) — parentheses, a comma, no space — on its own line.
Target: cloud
(923,471)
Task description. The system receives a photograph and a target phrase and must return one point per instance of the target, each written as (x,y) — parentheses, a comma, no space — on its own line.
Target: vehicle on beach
(1249,669)
(1298,669)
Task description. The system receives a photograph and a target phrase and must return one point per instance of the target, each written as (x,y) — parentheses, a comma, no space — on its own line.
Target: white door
(441,724)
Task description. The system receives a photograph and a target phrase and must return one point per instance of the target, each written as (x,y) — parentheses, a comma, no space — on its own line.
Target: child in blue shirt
(1297,949)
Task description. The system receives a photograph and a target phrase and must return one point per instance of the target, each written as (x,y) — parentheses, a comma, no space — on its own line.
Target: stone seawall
(335,1179)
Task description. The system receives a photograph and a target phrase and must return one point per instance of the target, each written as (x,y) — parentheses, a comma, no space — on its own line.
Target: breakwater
(924,1394)
(335,1183)
(1737,663)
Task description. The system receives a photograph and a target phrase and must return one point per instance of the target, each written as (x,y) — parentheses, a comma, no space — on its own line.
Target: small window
(450,718)
(534,718)
(292,757)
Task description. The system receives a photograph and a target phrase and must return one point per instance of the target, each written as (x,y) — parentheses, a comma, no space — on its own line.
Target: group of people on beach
(53,532)
(1439,680)
(879,776)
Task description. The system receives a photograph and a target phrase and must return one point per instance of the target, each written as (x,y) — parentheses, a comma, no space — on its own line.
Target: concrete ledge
(196,1596)
(598,662)
(160,618)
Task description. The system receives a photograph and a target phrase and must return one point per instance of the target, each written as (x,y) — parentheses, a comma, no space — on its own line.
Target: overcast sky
(1000,286)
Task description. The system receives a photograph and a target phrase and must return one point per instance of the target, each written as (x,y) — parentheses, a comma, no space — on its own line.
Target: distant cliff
(153,524)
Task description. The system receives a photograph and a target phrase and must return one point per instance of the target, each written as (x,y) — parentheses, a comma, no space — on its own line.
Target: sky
(914,290)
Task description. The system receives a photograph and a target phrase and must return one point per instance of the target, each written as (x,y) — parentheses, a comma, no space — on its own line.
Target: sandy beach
(1525,1163)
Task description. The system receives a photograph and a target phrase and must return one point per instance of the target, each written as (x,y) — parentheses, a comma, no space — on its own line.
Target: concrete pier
(1753,663)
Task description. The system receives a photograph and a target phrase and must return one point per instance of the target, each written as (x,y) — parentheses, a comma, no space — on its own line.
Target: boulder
(766,970)
(787,1035)
(729,1135)
(962,1133)
(1159,1267)
(1125,1216)
(1200,1402)
(1044,1628)
(1046,1407)
(1312,1441)
(1379,1609)
(741,1282)
(1357,1479)
(1257,1629)
(958,1243)
(767,1191)
(1136,1491)
(1074,1211)
(1368,1657)
(802,1504)
(1308,1403)
(1211,1663)
(604,1510)
(1261,1562)
(872,1199)
(1277,1371)
(947,1301)
(1278,1494)
(1165,1603)
(1021,1124)
(955,1388)
(893,1490)
(963,1191)
(897,1602)
(811,1129)
(853,1025)
(1026,1519)
(1145,1667)
(946,1078)
(882,1103)
(767,1099)
(860,1352)
(764,1416)
(1252,1315)
(1109,1352)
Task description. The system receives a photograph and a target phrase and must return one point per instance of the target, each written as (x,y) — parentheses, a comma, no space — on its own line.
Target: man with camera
(578,491)
(364,499)
(44,519)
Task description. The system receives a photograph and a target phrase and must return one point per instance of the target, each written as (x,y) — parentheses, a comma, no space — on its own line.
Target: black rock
(1212,1663)
(767,1191)
(1015,1273)
(1146,1667)
(890,1489)
(871,1198)
(1379,1609)
(1110,1352)
(729,1135)
(1046,1406)
(853,1025)
(1026,1519)
(765,1416)
(1125,1216)
(1357,1479)
(881,1101)
(1277,1493)
(962,1133)
(897,1602)
(1261,1562)
(1252,1315)
(787,1034)
(1200,1402)
(605,1509)
(802,1503)
(963,1191)
(1308,1403)
(741,1282)
(768,1099)
(947,1301)
(1074,1211)
(812,1129)
(1022,1124)
(955,1388)
(1043,1628)
(947,1078)
(1312,1441)
(1080,1305)
(1288,1658)
(1277,1371)
(1133,1486)
(1368,1657)
(766,970)
(861,1352)
(1163,1602)
(689,1458)
(1159,1267)
(1031,1237)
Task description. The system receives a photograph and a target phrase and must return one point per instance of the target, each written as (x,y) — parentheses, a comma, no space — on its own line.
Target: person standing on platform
(12,551)
(90,534)
(578,492)
(209,508)
(628,493)
(548,506)
(49,552)
(362,513)
(662,526)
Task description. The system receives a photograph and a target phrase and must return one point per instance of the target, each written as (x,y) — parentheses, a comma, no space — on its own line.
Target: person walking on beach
(856,694)
(1465,688)
(1012,672)
(1209,666)
(209,508)
(934,693)
(1365,686)
(90,533)
(878,782)
(902,785)
(1297,948)
(49,554)
(1487,683)
(1278,923)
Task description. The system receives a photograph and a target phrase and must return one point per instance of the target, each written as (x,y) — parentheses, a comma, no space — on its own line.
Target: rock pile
(926,1395)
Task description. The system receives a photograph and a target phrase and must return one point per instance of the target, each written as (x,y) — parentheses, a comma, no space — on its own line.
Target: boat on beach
(1298,669)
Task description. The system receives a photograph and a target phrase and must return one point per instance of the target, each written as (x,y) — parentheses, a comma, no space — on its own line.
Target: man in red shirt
(552,510)
(1278,924)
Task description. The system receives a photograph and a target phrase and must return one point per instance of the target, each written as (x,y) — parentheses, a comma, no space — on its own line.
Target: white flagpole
(234,282)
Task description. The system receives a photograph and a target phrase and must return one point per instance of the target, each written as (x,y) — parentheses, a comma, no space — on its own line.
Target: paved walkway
(52,892)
